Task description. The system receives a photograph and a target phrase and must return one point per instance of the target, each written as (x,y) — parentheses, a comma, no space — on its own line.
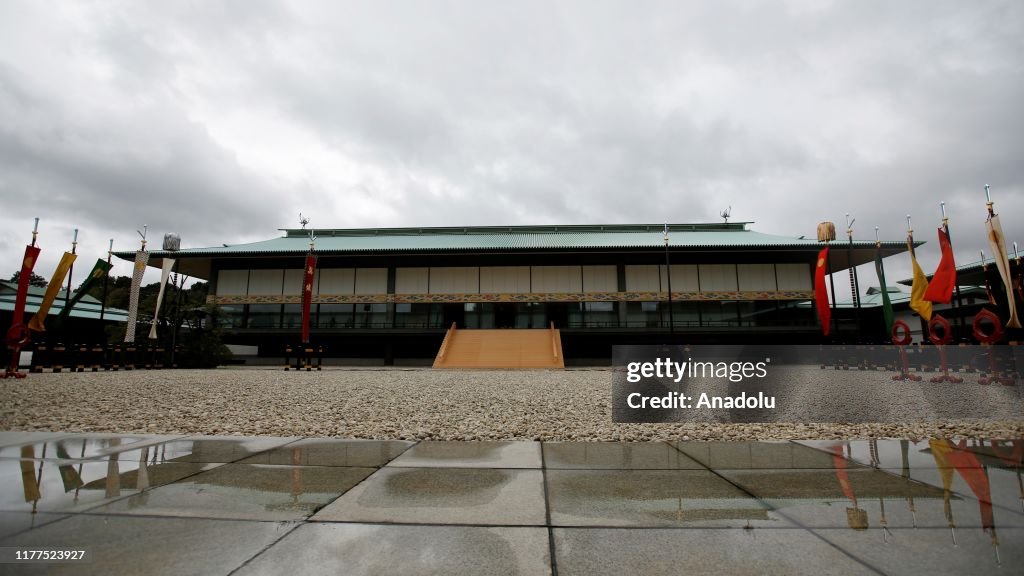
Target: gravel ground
(390,404)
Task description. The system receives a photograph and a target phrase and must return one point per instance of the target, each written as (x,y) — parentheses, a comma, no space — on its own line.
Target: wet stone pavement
(238,505)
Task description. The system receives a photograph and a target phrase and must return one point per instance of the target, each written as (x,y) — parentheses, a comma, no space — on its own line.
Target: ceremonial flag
(940,289)
(141,259)
(971,470)
(36,323)
(820,293)
(998,244)
(307,295)
(917,290)
(68,475)
(165,272)
(101,268)
(940,448)
(886,303)
(28,474)
(27,264)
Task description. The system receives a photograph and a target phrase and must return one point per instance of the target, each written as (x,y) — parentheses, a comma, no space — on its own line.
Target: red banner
(31,255)
(307,295)
(820,293)
(940,289)
(17,332)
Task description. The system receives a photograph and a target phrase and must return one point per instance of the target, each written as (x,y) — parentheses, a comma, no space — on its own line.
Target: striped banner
(165,273)
(141,259)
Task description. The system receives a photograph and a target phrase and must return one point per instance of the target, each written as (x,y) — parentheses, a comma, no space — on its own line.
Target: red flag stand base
(901,337)
(12,370)
(994,375)
(905,368)
(944,368)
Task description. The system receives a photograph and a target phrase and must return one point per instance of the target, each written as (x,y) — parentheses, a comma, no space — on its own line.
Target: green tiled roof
(500,238)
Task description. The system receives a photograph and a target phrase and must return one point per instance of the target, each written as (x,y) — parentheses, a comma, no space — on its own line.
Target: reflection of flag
(29,262)
(998,244)
(141,259)
(970,469)
(917,290)
(940,289)
(28,474)
(307,295)
(36,323)
(886,304)
(940,449)
(68,474)
(165,272)
(820,293)
(98,271)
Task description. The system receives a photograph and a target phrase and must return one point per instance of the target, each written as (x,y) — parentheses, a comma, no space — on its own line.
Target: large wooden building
(391,293)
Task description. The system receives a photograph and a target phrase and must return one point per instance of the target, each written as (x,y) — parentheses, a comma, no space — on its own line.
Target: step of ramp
(511,348)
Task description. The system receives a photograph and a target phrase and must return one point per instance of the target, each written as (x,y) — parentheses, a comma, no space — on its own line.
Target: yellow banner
(52,289)
(917,290)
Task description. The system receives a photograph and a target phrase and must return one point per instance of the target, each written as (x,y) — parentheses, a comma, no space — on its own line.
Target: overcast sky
(221,121)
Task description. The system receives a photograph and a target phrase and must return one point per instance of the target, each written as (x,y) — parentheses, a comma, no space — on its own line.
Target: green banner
(98,272)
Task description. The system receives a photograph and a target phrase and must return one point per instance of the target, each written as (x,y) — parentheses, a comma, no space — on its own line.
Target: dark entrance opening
(455,313)
(505,315)
(558,312)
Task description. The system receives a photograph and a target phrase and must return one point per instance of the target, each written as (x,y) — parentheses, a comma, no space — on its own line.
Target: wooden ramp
(512,348)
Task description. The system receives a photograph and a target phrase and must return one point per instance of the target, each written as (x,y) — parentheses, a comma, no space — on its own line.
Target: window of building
(412,315)
(371,316)
(293,316)
(264,316)
(233,316)
(335,316)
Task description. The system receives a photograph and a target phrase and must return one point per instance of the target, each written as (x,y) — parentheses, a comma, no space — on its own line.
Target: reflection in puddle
(435,487)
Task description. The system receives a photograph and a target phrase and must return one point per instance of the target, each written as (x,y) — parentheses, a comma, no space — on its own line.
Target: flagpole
(668,276)
(997,242)
(19,335)
(106,278)
(71,269)
(959,298)
(67,293)
(854,281)
(832,284)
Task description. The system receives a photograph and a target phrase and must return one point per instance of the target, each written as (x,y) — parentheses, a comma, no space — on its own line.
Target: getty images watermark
(668,369)
(815,383)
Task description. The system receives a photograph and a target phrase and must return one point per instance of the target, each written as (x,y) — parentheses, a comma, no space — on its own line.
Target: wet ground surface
(142,504)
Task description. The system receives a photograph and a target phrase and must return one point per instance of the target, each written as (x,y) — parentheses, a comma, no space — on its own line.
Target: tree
(202,346)
(33,280)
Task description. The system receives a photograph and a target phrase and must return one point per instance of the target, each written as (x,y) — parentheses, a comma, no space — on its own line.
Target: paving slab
(928,454)
(1003,488)
(860,497)
(757,455)
(56,486)
(148,546)
(356,549)
(443,496)
(245,492)
(225,449)
(12,523)
(652,498)
(654,552)
(321,452)
(446,454)
(17,437)
(933,551)
(617,456)
(79,446)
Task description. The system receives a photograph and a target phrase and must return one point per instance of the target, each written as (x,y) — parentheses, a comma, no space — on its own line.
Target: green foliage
(33,280)
(202,346)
